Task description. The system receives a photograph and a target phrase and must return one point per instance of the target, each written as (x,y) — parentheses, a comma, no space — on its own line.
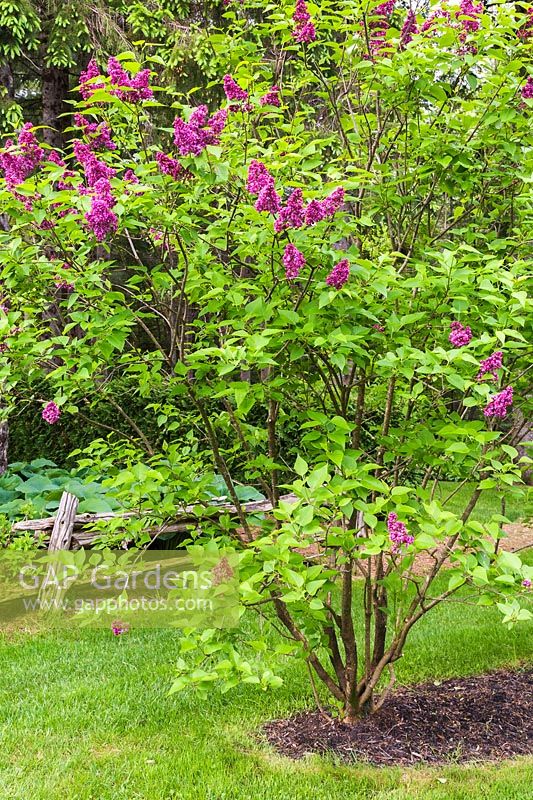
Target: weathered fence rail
(69,530)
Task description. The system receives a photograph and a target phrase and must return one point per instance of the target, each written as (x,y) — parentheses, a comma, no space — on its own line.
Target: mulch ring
(483,718)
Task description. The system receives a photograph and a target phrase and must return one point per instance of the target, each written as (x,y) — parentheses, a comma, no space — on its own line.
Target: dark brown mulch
(486,717)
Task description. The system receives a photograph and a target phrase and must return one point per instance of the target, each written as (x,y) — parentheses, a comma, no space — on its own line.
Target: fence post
(51,593)
(61,536)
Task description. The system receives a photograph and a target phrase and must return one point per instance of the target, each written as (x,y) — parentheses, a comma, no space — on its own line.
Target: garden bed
(482,718)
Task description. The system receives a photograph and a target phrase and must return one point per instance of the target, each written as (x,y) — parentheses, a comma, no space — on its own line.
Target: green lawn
(86,716)
(488,504)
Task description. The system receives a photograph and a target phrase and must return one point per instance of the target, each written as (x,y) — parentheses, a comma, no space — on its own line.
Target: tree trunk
(523,437)
(4,444)
(55,87)
(7,81)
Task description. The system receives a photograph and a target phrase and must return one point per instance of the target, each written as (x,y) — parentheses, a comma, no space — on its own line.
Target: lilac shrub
(322,296)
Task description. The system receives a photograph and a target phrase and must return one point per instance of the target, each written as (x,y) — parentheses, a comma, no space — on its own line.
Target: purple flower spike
(51,413)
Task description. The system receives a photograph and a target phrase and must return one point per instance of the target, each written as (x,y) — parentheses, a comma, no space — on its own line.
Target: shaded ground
(484,717)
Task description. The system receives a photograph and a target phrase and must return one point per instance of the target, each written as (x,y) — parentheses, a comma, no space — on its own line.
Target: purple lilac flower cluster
(490,365)
(339,274)
(94,168)
(527,89)
(294,214)
(460,335)
(51,413)
(469,14)
(101,219)
(18,161)
(261,183)
(236,95)
(192,137)
(130,176)
(526,30)
(293,261)
(170,166)
(430,23)
(409,29)
(378,26)
(88,82)
(398,533)
(119,628)
(271,98)
(499,403)
(304,29)
(134,88)
(98,133)
(526,583)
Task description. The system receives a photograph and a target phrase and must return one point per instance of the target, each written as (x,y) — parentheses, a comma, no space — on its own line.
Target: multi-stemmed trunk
(4,445)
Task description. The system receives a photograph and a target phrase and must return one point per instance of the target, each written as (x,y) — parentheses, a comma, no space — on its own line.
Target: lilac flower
(87,88)
(293,261)
(526,30)
(199,116)
(314,212)
(101,219)
(409,28)
(527,89)
(169,166)
(98,133)
(304,30)
(292,215)
(117,74)
(139,88)
(130,176)
(119,628)
(398,532)
(499,403)
(51,413)
(332,203)
(217,124)
(93,168)
(18,162)
(63,285)
(339,274)
(469,14)
(378,27)
(55,158)
(490,365)
(430,23)
(271,98)
(258,177)
(460,335)
(232,89)
(133,89)
(385,9)
(192,137)
(268,200)
(526,583)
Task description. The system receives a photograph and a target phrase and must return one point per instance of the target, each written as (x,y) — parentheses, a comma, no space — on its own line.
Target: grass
(488,504)
(86,716)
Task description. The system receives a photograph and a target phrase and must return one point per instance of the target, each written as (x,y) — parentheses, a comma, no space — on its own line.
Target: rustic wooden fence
(69,530)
